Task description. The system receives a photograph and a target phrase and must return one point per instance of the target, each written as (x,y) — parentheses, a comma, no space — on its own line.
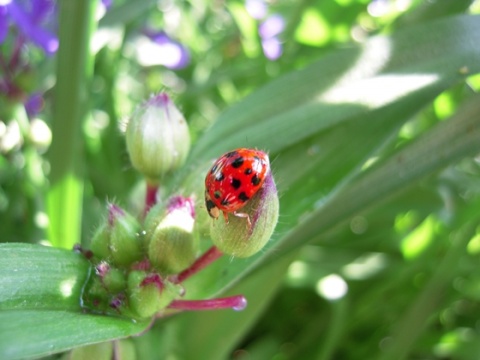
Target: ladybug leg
(244,215)
(225,215)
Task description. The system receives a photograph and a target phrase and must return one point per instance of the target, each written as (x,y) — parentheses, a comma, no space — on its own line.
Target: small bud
(158,139)
(113,279)
(97,290)
(100,244)
(171,245)
(125,245)
(149,293)
(236,237)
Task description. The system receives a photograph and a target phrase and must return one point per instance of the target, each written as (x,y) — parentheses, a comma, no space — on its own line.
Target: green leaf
(39,277)
(447,143)
(40,312)
(33,333)
(405,70)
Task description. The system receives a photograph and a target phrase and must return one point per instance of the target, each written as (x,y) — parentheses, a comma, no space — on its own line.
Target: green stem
(74,70)
(335,330)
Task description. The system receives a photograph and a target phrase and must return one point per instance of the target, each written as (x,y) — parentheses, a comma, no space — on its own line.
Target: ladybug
(235,177)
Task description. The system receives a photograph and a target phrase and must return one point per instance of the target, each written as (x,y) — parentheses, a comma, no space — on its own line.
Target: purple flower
(30,17)
(272,26)
(107,3)
(269,31)
(272,48)
(257,9)
(165,51)
(34,104)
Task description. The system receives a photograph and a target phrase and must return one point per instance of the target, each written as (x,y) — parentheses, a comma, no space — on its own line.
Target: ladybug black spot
(217,194)
(230,154)
(248,171)
(255,180)
(237,162)
(243,197)
(236,183)
(219,177)
(225,202)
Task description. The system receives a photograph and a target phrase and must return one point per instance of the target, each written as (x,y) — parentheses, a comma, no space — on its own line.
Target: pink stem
(237,302)
(150,196)
(203,261)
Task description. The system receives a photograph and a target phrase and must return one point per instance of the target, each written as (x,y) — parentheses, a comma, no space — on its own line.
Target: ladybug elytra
(234,178)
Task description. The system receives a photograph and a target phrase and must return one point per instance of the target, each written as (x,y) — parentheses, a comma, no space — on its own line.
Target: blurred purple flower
(34,104)
(257,9)
(168,52)
(31,18)
(107,3)
(272,48)
(269,31)
(272,26)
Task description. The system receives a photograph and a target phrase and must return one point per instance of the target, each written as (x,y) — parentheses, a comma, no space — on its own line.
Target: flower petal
(256,8)
(272,26)
(272,48)
(3,23)
(26,23)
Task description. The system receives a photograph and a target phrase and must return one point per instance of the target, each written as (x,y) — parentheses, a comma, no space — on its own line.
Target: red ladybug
(234,178)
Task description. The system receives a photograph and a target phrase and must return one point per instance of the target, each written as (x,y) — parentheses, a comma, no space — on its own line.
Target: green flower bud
(97,290)
(148,293)
(158,139)
(171,245)
(100,244)
(125,244)
(237,237)
(112,278)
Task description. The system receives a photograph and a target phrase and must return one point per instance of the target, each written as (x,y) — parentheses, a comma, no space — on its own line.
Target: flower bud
(171,245)
(237,237)
(100,244)
(125,245)
(158,139)
(148,293)
(112,278)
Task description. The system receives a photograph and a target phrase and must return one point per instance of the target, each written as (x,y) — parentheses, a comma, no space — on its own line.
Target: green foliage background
(372,124)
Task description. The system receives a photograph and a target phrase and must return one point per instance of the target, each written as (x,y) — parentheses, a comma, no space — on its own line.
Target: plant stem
(74,71)
(203,261)
(150,196)
(237,302)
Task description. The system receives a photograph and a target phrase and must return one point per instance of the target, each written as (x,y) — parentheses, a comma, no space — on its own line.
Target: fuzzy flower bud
(237,237)
(171,246)
(100,244)
(158,139)
(113,279)
(125,245)
(149,293)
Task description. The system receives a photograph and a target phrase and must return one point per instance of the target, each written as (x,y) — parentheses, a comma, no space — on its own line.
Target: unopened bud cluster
(131,265)
(139,262)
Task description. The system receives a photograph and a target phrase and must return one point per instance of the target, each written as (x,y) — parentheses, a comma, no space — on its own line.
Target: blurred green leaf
(403,71)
